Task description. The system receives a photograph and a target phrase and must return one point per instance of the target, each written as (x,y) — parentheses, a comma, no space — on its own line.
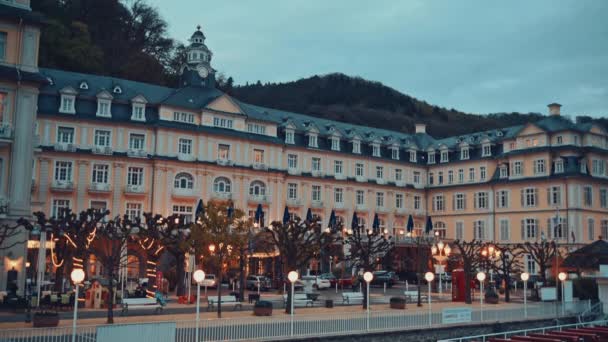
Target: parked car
(317,283)
(209,281)
(252,282)
(332,278)
(384,277)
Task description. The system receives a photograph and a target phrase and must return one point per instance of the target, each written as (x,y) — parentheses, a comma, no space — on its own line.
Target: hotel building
(72,140)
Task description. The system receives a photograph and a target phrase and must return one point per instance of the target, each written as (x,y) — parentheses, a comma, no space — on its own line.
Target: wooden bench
(352,297)
(409,295)
(226,300)
(299,299)
(141,303)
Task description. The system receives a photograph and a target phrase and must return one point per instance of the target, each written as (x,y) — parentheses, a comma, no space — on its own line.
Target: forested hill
(353,99)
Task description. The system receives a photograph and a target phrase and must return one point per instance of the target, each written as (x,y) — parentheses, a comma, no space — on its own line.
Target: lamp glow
(429,276)
(525,276)
(211,248)
(440,245)
(77,275)
(292,276)
(562,276)
(481,276)
(434,250)
(198,276)
(447,250)
(368,276)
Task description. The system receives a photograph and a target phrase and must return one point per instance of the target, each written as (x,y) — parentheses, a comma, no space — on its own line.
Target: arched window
(183,180)
(439,228)
(257,188)
(222,185)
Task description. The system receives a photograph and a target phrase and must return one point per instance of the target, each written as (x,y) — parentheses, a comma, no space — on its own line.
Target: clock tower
(197,70)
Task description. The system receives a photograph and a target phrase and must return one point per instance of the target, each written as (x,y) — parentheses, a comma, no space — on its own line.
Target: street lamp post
(198,276)
(77,276)
(367,276)
(481,277)
(524,277)
(292,276)
(429,276)
(441,252)
(562,278)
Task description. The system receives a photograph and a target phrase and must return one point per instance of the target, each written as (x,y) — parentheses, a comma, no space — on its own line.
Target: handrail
(594,310)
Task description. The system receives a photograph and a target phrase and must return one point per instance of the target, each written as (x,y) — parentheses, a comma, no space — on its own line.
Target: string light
(53,257)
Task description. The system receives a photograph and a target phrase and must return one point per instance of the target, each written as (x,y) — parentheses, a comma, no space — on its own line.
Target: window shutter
(522,197)
(537,228)
(475,197)
(549,228)
(464,201)
(535,197)
(523,230)
(454,202)
(497,200)
(475,231)
(549,196)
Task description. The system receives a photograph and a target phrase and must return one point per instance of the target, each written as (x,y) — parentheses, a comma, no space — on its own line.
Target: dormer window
(290,137)
(395,153)
(413,157)
(67,104)
(357,147)
(117,90)
(83,85)
(444,156)
(376,150)
(431,157)
(486,150)
(464,153)
(138,111)
(313,140)
(504,171)
(558,166)
(335,144)
(104,107)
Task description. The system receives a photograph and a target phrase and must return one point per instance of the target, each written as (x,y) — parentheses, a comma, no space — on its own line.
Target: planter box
(45,321)
(262,311)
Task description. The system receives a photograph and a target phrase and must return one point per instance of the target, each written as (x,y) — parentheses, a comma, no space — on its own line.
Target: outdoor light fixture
(562,276)
(367,276)
(481,277)
(429,276)
(199,276)
(292,276)
(525,276)
(77,276)
(211,248)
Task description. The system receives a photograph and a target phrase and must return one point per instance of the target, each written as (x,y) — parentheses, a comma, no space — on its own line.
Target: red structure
(458,285)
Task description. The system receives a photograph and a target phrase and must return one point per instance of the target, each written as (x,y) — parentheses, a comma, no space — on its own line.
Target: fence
(323,324)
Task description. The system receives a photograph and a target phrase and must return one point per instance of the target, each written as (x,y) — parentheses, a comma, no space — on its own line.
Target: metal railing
(310,325)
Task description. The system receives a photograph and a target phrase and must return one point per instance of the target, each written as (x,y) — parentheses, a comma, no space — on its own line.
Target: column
(117,190)
(81,186)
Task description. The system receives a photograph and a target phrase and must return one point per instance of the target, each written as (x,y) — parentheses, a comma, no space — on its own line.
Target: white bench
(226,300)
(140,303)
(299,299)
(410,295)
(352,297)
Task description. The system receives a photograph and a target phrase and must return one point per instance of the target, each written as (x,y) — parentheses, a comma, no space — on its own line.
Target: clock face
(202,71)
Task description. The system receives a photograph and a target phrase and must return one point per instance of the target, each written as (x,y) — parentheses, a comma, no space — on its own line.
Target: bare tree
(469,253)
(543,253)
(506,264)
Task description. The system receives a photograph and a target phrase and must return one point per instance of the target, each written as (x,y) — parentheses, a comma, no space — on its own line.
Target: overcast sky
(475,56)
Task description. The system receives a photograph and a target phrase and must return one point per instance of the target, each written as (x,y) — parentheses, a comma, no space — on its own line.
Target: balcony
(316,204)
(360,207)
(400,211)
(340,176)
(99,187)
(135,189)
(360,179)
(60,185)
(223,196)
(65,147)
(137,153)
(293,171)
(294,202)
(185,157)
(400,183)
(259,166)
(258,199)
(382,209)
(380,181)
(6,131)
(339,205)
(106,150)
(224,162)
(317,173)
(186,193)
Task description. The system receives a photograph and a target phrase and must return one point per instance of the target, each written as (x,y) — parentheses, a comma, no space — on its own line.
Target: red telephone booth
(458,285)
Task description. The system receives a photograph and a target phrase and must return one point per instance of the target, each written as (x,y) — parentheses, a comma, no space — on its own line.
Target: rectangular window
(359,170)
(137,112)
(529,229)
(471,174)
(67,104)
(380,199)
(502,199)
(184,211)
(63,171)
(136,141)
(395,153)
(559,166)
(103,108)
(459,230)
(65,135)
(416,202)
(504,171)
(528,197)
(438,203)
(339,195)
(604,201)
(186,117)
(316,164)
(223,152)
(316,193)
(379,172)
(222,122)
(431,178)
(398,175)
(292,161)
(102,138)
(450,177)
(360,197)
(133,210)
(479,230)
(3,36)
(591,229)
(444,156)
(335,144)
(460,201)
(554,195)
(258,156)
(135,175)
(518,168)
(530,264)
(256,129)
(505,234)
(481,200)
(431,157)
(399,201)
(292,191)
(289,137)
(313,141)
(59,207)
(376,150)
(356,147)
(184,146)
(539,166)
(416,177)
(100,173)
(464,153)
(337,167)
(482,173)
(440,177)
(588,196)
(99,205)
(460,176)
(413,157)
(604,228)
(486,151)
(560,140)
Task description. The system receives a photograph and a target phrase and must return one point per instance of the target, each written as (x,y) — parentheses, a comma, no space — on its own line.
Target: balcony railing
(339,205)
(382,209)
(179,192)
(185,157)
(380,181)
(62,185)
(340,176)
(294,202)
(361,207)
(224,162)
(293,171)
(360,179)
(401,211)
(65,147)
(6,131)
(107,150)
(317,173)
(316,204)
(259,198)
(134,189)
(137,153)
(221,195)
(260,166)
(400,183)
(99,187)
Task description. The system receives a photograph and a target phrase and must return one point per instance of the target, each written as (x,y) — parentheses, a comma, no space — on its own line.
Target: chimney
(554,108)
(421,128)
